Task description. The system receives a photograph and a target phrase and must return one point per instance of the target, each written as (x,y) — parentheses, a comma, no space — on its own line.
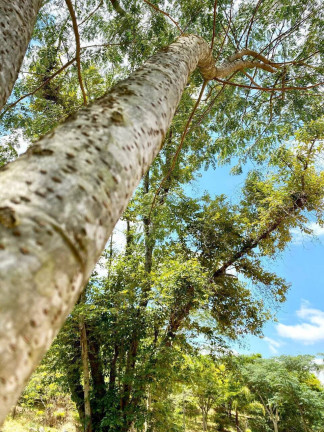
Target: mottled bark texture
(17,20)
(60,201)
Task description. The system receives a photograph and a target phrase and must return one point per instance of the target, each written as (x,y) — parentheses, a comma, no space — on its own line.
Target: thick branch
(116,5)
(252,243)
(254,54)
(78,48)
(214,25)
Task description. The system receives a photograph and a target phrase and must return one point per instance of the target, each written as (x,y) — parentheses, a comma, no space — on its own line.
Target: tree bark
(98,379)
(76,390)
(86,376)
(205,422)
(17,20)
(61,200)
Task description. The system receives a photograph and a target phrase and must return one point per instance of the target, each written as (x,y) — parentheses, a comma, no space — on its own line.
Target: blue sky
(300,325)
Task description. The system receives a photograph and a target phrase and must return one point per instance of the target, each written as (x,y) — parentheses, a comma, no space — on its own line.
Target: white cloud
(320,374)
(273,344)
(300,237)
(309,331)
(17,140)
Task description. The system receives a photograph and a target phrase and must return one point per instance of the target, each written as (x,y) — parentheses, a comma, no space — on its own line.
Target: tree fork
(61,200)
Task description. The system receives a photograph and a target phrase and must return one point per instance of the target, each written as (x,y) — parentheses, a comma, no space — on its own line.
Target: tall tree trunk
(237,424)
(17,20)
(205,422)
(98,380)
(275,420)
(86,376)
(61,200)
(113,370)
(184,412)
(76,390)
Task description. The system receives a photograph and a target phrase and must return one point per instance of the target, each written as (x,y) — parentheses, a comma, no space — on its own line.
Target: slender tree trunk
(113,370)
(184,412)
(205,423)
(275,421)
(17,20)
(86,376)
(61,200)
(237,424)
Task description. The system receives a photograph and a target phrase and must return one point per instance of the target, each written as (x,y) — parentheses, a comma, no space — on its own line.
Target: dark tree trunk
(98,381)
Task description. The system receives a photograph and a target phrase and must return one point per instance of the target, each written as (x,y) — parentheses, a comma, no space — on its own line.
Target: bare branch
(282,36)
(269,89)
(100,45)
(164,13)
(251,23)
(222,44)
(211,104)
(78,48)
(214,25)
(175,157)
(91,13)
(256,55)
(251,79)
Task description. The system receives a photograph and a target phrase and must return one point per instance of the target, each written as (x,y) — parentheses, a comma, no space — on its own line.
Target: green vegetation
(204,393)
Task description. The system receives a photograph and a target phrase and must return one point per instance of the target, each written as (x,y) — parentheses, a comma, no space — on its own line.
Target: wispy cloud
(309,331)
(273,344)
(300,237)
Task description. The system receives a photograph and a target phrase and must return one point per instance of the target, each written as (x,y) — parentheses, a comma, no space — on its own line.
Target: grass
(23,424)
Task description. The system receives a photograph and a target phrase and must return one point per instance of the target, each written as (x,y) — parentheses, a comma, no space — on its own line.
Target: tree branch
(174,160)
(256,55)
(268,88)
(91,13)
(116,5)
(164,13)
(39,87)
(251,23)
(214,25)
(78,48)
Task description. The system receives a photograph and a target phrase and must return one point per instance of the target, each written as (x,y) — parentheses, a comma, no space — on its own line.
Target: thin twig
(39,87)
(100,45)
(78,47)
(214,25)
(211,104)
(91,13)
(267,88)
(251,79)
(175,157)
(222,45)
(287,32)
(251,23)
(164,13)
(232,28)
